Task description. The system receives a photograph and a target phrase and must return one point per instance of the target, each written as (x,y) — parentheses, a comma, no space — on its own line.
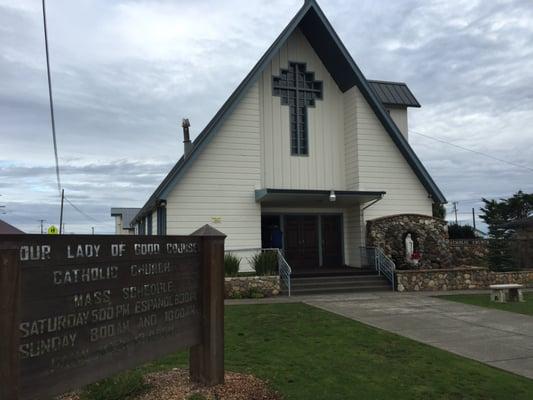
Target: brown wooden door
(331,240)
(301,241)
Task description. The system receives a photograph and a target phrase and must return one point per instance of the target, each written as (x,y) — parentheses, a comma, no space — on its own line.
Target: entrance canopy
(315,198)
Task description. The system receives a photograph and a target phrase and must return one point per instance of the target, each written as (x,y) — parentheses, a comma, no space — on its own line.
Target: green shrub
(456,231)
(265,263)
(231,264)
(196,396)
(254,293)
(123,386)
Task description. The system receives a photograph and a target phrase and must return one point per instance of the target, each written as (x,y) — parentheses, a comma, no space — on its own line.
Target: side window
(149,224)
(161,221)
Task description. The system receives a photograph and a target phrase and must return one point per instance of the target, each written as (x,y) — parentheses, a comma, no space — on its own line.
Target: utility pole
(474,218)
(61,215)
(42,230)
(455,210)
(92,229)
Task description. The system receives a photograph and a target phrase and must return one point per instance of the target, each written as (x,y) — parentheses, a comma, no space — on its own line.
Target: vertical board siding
(350,140)
(218,188)
(399,116)
(383,167)
(353,235)
(324,167)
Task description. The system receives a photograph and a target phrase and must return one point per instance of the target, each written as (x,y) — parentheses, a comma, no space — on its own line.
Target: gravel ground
(175,385)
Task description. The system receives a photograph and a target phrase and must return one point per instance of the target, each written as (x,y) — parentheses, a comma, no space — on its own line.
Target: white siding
(350,139)
(399,116)
(353,235)
(220,183)
(118,225)
(324,167)
(383,167)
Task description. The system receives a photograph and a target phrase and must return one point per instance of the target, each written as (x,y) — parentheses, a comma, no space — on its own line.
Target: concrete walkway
(497,338)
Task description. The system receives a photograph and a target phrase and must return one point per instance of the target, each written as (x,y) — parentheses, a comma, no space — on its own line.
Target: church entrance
(310,242)
(301,241)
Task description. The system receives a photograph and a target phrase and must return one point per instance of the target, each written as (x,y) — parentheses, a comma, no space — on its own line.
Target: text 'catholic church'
(301,155)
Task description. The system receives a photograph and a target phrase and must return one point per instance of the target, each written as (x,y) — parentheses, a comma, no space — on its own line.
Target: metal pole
(61,215)
(42,230)
(92,229)
(51,97)
(474,217)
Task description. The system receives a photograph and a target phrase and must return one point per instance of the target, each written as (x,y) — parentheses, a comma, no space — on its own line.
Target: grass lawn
(483,300)
(307,353)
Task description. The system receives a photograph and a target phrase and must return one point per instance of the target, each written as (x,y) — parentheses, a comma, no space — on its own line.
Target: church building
(300,156)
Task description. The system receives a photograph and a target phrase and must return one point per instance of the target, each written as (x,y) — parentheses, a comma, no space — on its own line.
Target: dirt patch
(176,385)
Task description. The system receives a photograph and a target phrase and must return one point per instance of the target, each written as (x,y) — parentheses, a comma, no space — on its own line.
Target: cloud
(126,72)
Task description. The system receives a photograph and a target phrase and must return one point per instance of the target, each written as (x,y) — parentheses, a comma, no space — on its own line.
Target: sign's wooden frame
(206,354)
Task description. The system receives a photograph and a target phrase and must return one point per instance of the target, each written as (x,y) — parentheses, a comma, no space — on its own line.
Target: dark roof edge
(204,136)
(230,103)
(416,104)
(262,192)
(385,118)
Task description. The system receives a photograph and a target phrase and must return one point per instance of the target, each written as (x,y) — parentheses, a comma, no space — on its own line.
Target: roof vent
(186,138)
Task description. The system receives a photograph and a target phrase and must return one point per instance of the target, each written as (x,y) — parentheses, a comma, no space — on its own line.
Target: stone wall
(458,279)
(430,236)
(469,251)
(251,286)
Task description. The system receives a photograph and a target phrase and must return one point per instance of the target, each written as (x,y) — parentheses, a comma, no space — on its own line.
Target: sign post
(9,320)
(206,359)
(75,309)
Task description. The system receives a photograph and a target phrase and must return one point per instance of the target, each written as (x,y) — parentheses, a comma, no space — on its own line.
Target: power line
(54,136)
(80,211)
(51,98)
(472,151)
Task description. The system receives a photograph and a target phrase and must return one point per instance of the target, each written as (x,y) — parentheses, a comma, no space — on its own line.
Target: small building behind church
(123,220)
(300,156)
(8,229)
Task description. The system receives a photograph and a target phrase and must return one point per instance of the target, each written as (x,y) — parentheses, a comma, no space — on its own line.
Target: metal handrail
(378,260)
(284,269)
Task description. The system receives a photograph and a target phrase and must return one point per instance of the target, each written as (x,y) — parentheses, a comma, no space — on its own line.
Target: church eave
(339,63)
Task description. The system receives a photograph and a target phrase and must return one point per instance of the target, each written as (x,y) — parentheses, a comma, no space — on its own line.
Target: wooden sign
(79,308)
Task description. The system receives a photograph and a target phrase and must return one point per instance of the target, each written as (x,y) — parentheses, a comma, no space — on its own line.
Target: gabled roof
(316,28)
(127,214)
(8,229)
(394,94)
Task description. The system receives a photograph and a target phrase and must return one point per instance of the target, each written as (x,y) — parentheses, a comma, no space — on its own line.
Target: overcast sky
(125,73)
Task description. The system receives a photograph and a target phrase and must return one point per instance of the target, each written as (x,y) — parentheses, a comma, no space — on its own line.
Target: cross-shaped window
(298,90)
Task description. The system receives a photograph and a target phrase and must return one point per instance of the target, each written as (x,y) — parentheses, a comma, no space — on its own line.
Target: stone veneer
(469,251)
(458,279)
(430,236)
(243,286)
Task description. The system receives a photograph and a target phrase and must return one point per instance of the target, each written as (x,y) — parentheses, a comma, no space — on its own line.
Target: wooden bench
(506,292)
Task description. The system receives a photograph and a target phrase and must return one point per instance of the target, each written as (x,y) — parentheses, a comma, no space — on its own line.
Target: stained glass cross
(298,90)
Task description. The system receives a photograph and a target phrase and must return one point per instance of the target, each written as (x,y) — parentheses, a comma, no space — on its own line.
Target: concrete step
(333,273)
(334,279)
(339,283)
(337,289)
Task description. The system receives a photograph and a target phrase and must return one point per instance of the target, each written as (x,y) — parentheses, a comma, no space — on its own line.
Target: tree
(497,213)
(456,231)
(439,211)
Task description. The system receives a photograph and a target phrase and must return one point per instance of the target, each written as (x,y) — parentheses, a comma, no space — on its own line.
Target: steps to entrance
(307,284)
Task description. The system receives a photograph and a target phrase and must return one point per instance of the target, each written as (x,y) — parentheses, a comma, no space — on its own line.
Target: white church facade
(300,156)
